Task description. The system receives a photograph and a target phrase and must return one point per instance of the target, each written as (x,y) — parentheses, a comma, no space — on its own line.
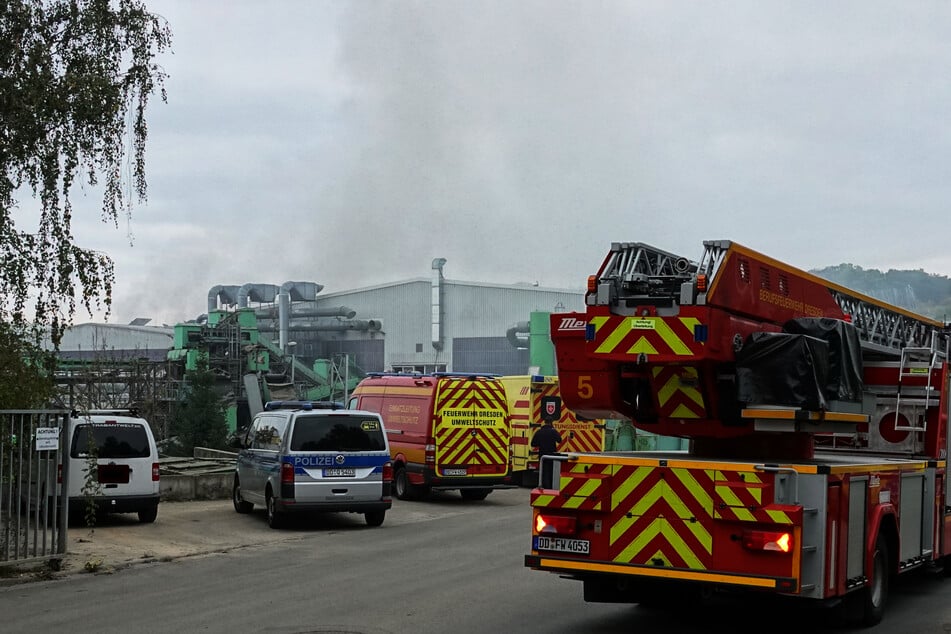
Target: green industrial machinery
(251,369)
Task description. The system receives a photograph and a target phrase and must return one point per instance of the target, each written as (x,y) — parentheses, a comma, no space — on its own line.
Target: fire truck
(817,423)
(532,399)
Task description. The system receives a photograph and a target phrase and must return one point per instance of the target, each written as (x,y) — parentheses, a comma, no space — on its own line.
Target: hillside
(924,293)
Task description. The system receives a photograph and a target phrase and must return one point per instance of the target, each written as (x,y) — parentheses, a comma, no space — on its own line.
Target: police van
(302,456)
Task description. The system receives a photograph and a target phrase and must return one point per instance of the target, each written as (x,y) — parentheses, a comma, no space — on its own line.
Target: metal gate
(33,508)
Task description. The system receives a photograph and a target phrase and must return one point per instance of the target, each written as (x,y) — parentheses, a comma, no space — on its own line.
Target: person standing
(546,440)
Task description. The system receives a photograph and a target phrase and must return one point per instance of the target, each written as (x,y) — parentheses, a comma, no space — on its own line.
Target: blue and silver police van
(304,456)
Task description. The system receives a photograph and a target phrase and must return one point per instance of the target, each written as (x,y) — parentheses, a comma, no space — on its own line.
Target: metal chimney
(437,283)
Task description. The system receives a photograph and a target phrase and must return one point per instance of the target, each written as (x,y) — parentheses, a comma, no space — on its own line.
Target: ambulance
(533,399)
(447,431)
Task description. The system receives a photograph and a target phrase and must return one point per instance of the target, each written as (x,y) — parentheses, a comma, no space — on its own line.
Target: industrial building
(419,324)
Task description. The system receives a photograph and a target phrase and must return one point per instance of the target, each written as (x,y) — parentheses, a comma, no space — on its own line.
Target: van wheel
(147,516)
(275,519)
(239,504)
(401,486)
(474,494)
(374,518)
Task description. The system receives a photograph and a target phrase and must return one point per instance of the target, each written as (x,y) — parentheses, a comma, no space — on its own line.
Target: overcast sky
(350,143)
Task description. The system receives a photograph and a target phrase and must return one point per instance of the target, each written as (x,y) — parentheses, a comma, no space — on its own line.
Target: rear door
(471,428)
(337,457)
(119,451)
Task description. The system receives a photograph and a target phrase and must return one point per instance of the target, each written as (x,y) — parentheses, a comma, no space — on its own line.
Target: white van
(120,448)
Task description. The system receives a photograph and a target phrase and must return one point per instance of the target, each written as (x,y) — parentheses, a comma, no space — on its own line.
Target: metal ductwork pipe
(368,325)
(512,334)
(335,311)
(438,264)
(302,291)
(228,295)
(264,293)
(284,308)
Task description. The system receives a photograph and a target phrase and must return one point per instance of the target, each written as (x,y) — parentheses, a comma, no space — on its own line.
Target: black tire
(275,519)
(374,518)
(402,489)
(474,494)
(147,516)
(875,595)
(239,504)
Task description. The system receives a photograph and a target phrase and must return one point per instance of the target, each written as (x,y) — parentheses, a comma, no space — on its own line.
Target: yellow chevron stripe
(779,517)
(622,330)
(582,495)
(682,411)
(544,500)
(597,322)
(621,492)
(728,496)
(689,322)
(696,490)
(661,491)
(663,329)
(661,527)
(642,345)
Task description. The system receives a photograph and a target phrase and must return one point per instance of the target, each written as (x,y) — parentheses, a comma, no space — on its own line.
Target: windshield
(337,433)
(110,440)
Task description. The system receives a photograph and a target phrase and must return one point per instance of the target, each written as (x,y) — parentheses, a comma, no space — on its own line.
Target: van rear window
(111,440)
(337,433)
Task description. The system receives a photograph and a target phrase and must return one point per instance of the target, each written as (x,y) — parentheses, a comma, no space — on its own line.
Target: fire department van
(533,399)
(446,430)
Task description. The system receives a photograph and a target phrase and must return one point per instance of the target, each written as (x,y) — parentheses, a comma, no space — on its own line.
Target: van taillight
(388,472)
(430,450)
(59,474)
(287,473)
(156,474)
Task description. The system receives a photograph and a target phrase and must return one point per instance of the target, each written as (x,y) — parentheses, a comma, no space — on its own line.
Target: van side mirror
(237,441)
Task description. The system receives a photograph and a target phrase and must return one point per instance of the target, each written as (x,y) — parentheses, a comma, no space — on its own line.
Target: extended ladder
(916,361)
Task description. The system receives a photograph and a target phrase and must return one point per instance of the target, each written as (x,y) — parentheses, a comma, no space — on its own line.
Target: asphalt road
(440,566)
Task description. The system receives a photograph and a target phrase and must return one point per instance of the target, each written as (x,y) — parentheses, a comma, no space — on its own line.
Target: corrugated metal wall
(478,315)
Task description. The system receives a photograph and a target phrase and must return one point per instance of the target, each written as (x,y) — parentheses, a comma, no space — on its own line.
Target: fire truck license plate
(560,544)
(454,472)
(340,473)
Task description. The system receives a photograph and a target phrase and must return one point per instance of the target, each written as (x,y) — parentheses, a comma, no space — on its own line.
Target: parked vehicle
(302,456)
(113,462)
(447,431)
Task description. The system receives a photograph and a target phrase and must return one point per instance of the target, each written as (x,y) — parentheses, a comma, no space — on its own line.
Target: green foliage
(91,487)
(199,420)
(75,79)
(25,376)
(924,293)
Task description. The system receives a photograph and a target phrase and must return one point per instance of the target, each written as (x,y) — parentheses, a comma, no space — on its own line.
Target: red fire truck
(817,419)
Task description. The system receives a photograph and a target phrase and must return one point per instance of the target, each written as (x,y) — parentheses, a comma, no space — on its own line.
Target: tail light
(592,283)
(768,541)
(155,472)
(701,283)
(555,524)
(430,451)
(287,473)
(388,472)
(59,474)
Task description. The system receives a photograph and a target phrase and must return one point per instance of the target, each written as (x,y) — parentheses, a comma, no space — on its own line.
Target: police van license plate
(454,472)
(338,472)
(562,545)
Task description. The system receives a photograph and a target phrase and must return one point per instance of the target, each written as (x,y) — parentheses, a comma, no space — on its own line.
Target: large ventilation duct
(264,293)
(334,311)
(302,291)
(227,294)
(438,263)
(512,334)
(369,325)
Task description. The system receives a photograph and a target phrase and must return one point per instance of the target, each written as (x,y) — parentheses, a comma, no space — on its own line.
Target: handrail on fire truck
(635,269)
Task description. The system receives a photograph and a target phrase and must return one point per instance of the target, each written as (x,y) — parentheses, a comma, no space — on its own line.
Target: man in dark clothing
(546,440)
